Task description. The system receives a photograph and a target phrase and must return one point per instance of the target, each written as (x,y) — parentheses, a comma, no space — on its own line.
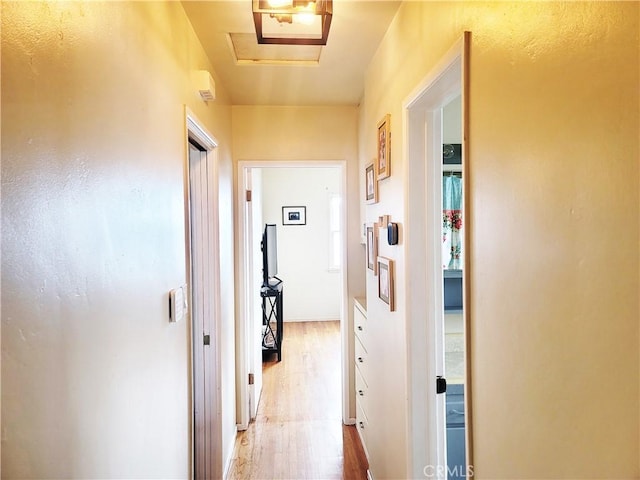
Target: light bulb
(304,18)
(280,3)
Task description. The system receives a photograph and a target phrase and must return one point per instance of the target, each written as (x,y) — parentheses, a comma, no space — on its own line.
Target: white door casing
(425,330)
(245,339)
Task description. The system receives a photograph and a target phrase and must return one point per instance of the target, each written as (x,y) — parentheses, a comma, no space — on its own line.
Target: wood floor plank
(298,432)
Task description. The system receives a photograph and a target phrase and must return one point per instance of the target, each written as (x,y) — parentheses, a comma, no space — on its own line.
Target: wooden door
(202,202)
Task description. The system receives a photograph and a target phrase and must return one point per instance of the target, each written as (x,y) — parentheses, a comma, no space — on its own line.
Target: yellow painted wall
(95,380)
(280,133)
(554,187)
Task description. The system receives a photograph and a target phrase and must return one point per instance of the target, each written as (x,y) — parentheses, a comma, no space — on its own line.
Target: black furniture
(272,319)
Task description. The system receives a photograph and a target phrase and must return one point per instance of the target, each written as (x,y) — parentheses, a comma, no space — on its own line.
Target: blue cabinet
(456,461)
(452,290)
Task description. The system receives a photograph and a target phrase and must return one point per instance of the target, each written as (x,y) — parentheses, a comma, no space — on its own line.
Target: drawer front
(362,390)
(455,414)
(361,358)
(360,325)
(456,453)
(362,424)
(455,405)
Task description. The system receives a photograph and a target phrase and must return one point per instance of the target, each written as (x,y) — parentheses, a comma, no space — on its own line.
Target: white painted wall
(312,292)
(452,121)
(554,158)
(95,380)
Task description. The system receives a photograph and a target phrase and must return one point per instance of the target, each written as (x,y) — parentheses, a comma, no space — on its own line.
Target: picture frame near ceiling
(386,287)
(371,183)
(294,215)
(372,248)
(383,139)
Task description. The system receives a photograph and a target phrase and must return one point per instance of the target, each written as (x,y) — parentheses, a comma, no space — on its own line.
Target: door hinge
(248,192)
(441,384)
(251,379)
(206,339)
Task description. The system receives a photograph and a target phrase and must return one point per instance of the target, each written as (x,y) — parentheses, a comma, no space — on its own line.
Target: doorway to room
(304,202)
(451,343)
(438,307)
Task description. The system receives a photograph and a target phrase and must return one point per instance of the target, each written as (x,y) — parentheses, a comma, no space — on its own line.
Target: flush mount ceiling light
(292,22)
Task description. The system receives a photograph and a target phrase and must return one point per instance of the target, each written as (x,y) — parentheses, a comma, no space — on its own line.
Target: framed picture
(294,215)
(383,162)
(385,282)
(372,248)
(371,183)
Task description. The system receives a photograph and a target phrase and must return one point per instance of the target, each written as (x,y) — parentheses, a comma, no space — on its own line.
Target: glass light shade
(292,22)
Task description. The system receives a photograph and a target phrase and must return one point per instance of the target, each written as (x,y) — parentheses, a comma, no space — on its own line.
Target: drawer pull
(360,359)
(361,393)
(457,412)
(360,327)
(362,425)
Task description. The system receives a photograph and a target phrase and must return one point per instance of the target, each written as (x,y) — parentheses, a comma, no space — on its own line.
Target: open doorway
(438,301)
(452,314)
(304,202)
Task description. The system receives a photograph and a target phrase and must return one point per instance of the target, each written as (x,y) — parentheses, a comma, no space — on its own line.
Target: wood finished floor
(298,431)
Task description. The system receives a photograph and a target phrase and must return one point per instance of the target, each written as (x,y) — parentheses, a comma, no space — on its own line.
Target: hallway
(298,431)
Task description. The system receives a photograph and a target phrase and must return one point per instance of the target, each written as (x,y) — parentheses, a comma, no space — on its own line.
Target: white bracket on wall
(205,85)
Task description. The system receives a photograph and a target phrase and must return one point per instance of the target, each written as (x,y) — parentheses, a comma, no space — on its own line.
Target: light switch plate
(177,304)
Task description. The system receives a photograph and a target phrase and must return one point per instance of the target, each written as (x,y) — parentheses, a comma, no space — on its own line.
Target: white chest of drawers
(361,370)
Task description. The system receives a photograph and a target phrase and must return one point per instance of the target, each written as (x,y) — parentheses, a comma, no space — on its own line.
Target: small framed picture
(371,183)
(383,162)
(385,282)
(294,215)
(372,248)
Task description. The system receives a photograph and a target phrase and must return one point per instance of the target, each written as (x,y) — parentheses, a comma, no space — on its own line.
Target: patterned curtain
(451,222)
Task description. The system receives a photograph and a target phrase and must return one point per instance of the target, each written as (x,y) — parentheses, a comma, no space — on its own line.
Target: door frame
(243,342)
(195,130)
(422,116)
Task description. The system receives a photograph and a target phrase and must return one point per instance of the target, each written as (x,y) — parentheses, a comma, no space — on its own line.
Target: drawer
(362,390)
(362,425)
(455,414)
(360,325)
(455,405)
(361,358)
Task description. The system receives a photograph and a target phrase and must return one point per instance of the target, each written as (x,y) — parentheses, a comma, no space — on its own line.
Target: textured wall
(95,380)
(554,235)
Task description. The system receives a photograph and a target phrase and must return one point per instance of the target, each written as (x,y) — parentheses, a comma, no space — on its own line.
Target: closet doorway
(204,277)
(311,259)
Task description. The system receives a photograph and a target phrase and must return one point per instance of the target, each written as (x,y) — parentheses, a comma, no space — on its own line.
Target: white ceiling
(357,27)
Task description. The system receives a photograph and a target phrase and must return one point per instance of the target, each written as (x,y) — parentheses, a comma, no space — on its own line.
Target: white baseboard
(349,421)
(229,460)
